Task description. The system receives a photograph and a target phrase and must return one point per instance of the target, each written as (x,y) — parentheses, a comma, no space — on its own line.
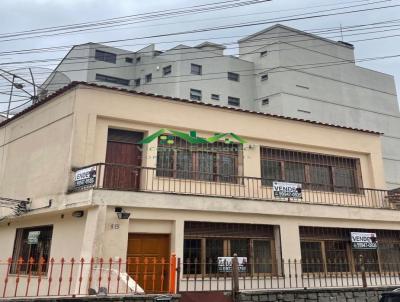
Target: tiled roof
(76,83)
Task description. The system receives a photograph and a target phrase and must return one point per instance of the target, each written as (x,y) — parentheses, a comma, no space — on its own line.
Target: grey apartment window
(263,53)
(233,101)
(215,97)
(233,76)
(128,60)
(195,94)
(149,78)
(265,102)
(167,70)
(264,77)
(138,59)
(110,79)
(195,69)
(137,82)
(105,56)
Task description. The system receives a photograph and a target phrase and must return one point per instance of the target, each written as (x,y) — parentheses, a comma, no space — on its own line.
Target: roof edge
(77,83)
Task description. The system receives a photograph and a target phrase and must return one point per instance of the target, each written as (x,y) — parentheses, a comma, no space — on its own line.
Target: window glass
(294,172)
(149,78)
(167,70)
(32,243)
(105,56)
(233,76)
(128,60)
(214,249)
(226,168)
(184,164)
(239,247)
(389,255)
(336,256)
(233,101)
(206,162)
(262,256)
(195,69)
(311,256)
(165,162)
(137,82)
(195,94)
(370,260)
(344,180)
(110,79)
(271,171)
(192,256)
(215,97)
(320,178)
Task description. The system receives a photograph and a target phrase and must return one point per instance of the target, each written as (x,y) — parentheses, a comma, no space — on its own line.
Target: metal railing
(82,277)
(146,179)
(150,275)
(286,274)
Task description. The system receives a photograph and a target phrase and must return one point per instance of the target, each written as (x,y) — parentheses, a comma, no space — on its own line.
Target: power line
(260,22)
(192,51)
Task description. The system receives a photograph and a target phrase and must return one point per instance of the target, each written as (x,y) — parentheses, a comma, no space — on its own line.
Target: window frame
(215,97)
(199,69)
(195,153)
(44,251)
(233,76)
(310,160)
(112,80)
(167,70)
(148,78)
(329,234)
(105,56)
(227,251)
(196,94)
(232,101)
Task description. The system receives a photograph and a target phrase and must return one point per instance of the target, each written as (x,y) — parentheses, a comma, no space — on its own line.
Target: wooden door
(148,261)
(123,159)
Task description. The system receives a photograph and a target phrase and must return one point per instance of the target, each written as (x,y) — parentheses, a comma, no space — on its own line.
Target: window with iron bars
(314,171)
(31,243)
(329,250)
(217,162)
(205,242)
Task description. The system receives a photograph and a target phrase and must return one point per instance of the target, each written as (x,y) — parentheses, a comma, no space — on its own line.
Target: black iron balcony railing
(147,179)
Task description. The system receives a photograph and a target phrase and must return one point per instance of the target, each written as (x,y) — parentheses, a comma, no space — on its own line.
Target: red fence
(75,277)
(78,277)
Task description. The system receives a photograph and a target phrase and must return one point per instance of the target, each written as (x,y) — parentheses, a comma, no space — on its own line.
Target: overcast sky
(19,15)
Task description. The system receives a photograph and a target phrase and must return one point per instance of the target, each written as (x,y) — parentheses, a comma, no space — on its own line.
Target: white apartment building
(279,70)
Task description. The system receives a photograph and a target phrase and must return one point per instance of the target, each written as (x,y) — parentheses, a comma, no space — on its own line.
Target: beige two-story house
(117,174)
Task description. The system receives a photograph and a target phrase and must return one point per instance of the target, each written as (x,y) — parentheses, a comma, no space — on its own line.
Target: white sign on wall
(225,264)
(287,190)
(85,177)
(364,241)
(33,237)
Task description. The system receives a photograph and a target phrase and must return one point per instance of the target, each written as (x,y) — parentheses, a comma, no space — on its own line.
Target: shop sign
(364,241)
(33,237)
(225,264)
(287,190)
(85,177)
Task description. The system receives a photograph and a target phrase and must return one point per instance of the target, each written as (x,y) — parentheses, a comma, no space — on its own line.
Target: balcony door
(123,159)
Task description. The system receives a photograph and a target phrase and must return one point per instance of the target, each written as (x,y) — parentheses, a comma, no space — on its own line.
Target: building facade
(279,70)
(131,175)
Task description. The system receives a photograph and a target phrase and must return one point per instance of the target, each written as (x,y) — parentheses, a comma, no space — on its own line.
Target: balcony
(146,179)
